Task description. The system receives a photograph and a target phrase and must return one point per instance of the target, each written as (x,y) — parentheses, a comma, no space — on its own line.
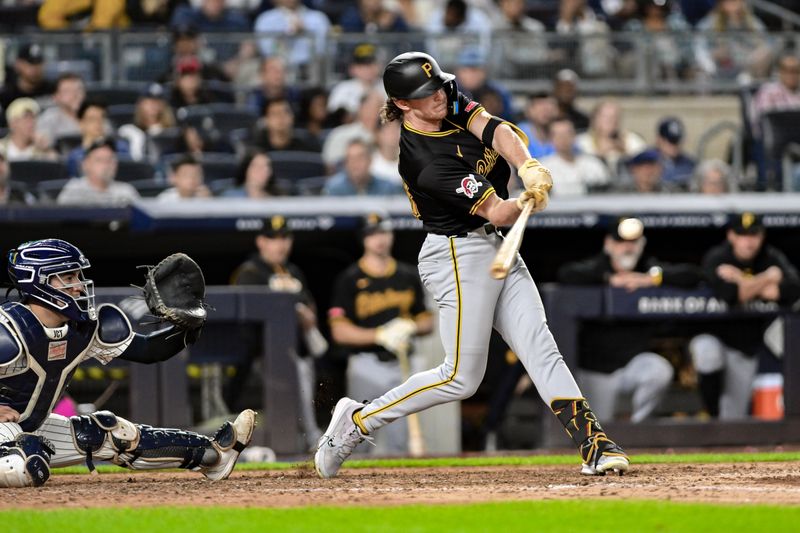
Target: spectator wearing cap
(372,16)
(89,15)
(186,178)
(273,84)
(565,91)
(278,131)
(270,267)
(742,271)
(97,186)
(210,16)
(188,88)
(61,119)
(26,78)
(308,27)
(540,111)
(714,177)
(524,49)
(677,166)
(152,116)
(255,178)
(364,129)
(365,77)
(607,138)
(575,173)
(473,79)
(187,43)
(22,142)
(93,123)
(645,174)
(608,368)
(355,178)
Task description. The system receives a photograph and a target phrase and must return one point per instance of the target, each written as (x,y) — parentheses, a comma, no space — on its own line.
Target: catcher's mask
(414,75)
(34,265)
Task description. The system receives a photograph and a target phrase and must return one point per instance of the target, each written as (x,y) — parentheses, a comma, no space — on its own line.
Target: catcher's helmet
(33,265)
(414,75)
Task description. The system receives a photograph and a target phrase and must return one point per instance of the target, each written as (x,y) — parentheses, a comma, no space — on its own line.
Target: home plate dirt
(768,483)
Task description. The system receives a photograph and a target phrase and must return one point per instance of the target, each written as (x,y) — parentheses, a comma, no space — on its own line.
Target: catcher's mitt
(175,291)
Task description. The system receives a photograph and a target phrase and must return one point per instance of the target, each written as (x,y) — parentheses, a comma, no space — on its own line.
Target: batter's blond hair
(390,112)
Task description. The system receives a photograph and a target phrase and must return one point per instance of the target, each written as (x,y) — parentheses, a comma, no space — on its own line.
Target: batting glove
(534,176)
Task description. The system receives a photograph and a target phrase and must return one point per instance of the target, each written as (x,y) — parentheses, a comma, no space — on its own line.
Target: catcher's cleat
(230,440)
(339,440)
(600,455)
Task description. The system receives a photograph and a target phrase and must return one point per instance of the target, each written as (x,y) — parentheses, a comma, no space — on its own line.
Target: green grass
(531,460)
(540,516)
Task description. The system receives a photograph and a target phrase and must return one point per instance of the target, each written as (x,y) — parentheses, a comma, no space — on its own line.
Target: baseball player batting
(454,160)
(46,336)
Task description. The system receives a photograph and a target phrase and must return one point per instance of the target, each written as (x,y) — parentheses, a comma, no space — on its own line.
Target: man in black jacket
(744,272)
(616,358)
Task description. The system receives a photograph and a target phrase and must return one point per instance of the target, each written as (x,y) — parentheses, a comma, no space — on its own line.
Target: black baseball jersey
(370,301)
(746,334)
(279,278)
(448,174)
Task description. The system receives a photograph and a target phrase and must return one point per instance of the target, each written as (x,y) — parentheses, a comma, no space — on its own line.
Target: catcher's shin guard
(25,461)
(105,436)
(599,453)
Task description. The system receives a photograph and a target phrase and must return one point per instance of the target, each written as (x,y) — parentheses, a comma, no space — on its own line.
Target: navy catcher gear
(33,266)
(415,75)
(25,461)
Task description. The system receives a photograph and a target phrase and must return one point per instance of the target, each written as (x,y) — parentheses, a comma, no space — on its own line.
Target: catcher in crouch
(54,328)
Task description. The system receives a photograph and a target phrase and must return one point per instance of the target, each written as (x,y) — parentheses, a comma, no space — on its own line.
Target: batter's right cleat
(601,454)
(339,440)
(230,440)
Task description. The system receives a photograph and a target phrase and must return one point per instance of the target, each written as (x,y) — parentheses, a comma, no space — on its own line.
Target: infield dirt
(740,483)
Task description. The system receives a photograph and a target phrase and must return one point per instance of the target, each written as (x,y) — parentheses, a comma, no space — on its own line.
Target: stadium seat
(778,130)
(309,186)
(130,171)
(121,114)
(66,143)
(47,190)
(33,172)
(113,95)
(294,165)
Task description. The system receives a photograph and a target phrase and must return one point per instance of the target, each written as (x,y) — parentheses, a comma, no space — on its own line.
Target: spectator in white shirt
(365,77)
(574,173)
(22,143)
(97,186)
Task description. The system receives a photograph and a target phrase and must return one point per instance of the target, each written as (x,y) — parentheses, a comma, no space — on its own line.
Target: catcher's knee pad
(103,429)
(25,461)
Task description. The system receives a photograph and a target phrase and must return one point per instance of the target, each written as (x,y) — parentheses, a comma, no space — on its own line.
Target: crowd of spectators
(327,139)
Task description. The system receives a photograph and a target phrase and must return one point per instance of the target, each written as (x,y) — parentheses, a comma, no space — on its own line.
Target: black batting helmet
(414,75)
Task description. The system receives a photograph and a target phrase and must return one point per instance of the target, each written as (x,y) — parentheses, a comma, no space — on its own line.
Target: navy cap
(32,53)
(746,223)
(154,90)
(100,142)
(671,129)
(649,155)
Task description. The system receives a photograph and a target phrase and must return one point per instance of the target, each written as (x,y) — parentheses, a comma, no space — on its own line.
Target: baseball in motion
(630,229)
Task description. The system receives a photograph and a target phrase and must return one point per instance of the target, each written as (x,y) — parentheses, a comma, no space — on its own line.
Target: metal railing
(626,63)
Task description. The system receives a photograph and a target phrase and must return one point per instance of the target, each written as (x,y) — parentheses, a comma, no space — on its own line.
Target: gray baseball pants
(456,271)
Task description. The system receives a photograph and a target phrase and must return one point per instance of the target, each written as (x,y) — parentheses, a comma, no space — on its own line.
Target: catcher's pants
(456,272)
(58,430)
(647,377)
(709,355)
(369,377)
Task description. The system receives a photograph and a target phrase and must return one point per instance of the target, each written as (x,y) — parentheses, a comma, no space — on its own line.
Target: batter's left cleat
(339,440)
(602,455)
(230,440)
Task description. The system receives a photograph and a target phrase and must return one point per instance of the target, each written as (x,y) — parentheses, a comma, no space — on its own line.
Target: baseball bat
(504,259)
(416,444)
